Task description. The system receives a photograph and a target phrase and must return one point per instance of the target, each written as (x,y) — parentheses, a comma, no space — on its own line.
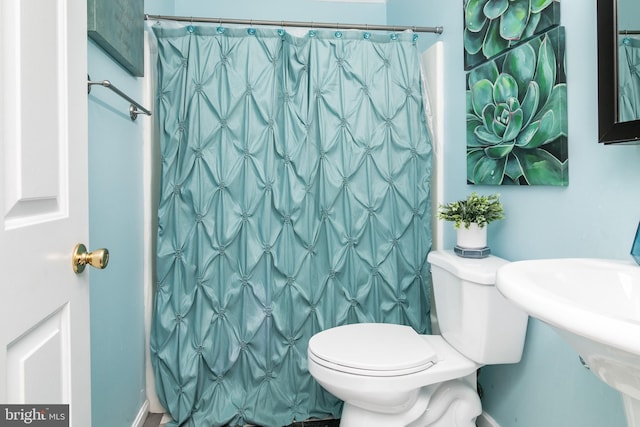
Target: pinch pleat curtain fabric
(629,78)
(295,197)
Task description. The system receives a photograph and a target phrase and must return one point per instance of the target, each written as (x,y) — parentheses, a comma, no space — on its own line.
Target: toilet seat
(372,349)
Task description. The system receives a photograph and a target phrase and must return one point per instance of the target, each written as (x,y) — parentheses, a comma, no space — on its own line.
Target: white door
(44,305)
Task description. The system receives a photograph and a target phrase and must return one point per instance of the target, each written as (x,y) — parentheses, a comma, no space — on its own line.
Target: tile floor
(155,420)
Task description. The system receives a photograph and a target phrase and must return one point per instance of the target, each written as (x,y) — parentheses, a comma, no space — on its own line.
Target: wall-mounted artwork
(517,115)
(117,26)
(493,26)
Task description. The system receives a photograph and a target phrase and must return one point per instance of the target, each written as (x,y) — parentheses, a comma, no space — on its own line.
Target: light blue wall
(419,13)
(293,10)
(115,222)
(596,215)
(160,7)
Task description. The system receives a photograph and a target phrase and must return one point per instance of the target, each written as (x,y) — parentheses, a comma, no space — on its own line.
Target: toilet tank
(473,316)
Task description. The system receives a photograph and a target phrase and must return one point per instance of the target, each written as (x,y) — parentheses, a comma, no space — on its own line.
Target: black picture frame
(610,130)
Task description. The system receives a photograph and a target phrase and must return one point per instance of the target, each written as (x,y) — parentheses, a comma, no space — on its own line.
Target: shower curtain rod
(631,32)
(339,26)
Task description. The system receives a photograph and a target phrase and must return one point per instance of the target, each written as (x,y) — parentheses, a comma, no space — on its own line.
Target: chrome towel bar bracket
(134,109)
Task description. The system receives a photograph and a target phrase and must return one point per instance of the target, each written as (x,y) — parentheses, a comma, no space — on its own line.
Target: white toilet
(390,376)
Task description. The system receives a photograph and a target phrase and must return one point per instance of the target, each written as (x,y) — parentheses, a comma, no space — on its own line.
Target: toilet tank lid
(481,271)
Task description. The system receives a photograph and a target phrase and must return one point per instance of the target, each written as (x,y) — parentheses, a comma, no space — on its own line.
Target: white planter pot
(473,237)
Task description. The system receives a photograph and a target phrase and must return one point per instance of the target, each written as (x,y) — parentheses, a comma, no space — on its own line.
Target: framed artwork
(493,26)
(635,248)
(517,115)
(117,26)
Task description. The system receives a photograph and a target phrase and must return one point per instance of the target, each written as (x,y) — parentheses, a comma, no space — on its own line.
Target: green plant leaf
(489,138)
(525,137)
(505,88)
(489,171)
(481,95)
(498,123)
(469,103)
(494,8)
(530,102)
(556,102)
(520,63)
(549,17)
(474,15)
(544,132)
(497,127)
(513,169)
(514,127)
(473,157)
(488,114)
(494,44)
(472,123)
(538,5)
(541,168)
(514,20)
(557,106)
(532,25)
(473,40)
(546,69)
(513,103)
(498,151)
(488,71)
(475,208)
(500,120)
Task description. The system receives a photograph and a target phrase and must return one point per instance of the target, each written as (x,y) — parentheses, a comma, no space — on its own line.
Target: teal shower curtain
(629,78)
(295,197)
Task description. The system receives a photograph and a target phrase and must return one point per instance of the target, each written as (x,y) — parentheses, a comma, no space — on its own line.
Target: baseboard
(142,415)
(485,420)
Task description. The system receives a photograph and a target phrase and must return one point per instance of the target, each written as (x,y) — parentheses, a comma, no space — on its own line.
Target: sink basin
(594,305)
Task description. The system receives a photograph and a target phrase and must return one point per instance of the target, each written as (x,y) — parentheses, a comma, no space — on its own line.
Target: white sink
(594,305)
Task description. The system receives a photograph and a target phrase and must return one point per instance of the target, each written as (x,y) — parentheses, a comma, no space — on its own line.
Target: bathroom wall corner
(485,420)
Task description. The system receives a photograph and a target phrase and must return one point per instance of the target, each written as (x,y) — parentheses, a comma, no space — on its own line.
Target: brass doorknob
(98,258)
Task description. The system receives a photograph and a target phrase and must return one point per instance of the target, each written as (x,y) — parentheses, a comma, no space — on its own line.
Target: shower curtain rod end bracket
(133,112)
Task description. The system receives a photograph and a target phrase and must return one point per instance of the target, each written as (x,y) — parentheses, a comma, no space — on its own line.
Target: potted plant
(470,218)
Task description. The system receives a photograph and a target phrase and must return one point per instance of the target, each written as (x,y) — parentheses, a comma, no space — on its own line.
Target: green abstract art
(517,115)
(117,26)
(493,26)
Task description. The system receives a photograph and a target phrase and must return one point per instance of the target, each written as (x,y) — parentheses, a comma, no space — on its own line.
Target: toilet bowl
(379,393)
(389,375)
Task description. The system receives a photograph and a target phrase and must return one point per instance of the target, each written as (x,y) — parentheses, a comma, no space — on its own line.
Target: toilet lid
(377,347)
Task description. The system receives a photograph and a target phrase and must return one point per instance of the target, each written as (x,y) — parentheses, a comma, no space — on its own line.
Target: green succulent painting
(517,116)
(492,26)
